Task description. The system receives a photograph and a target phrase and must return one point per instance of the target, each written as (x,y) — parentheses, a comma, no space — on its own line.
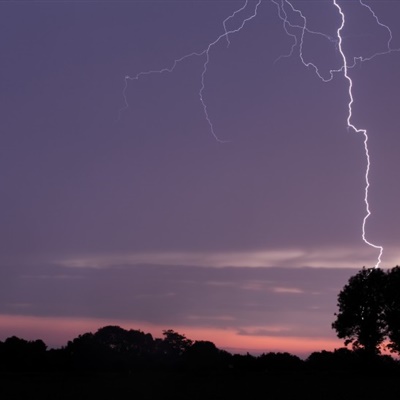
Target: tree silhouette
(20,354)
(111,348)
(174,343)
(120,340)
(361,317)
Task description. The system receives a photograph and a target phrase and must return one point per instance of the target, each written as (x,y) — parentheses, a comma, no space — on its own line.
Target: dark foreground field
(199,385)
(114,364)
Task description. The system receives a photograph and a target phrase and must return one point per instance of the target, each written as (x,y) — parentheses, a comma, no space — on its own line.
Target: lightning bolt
(350,125)
(345,66)
(283,15)
(284,8)
(204,53)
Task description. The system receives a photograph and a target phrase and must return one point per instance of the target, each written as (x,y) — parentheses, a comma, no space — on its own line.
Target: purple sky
(118,205)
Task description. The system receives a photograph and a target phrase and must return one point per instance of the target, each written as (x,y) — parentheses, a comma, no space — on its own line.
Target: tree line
(114,349)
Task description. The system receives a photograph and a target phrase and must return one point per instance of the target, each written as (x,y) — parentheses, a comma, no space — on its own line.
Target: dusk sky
(221,196)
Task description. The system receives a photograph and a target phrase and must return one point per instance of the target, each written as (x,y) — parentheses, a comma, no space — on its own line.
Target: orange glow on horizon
(57,331)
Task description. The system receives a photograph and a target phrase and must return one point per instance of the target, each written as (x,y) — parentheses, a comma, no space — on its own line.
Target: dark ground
(199,385)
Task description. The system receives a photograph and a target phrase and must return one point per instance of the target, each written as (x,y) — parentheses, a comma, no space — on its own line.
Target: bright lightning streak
(357,130)
(344,68)
(284,7)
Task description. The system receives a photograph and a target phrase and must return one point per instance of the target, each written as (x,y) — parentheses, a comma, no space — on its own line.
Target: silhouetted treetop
(369,310)
(20,354)
(175,343)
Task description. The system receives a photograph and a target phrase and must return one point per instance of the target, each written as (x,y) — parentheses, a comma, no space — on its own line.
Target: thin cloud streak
(323,257)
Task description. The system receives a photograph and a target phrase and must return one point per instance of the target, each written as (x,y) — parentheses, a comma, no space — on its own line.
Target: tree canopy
(369,310)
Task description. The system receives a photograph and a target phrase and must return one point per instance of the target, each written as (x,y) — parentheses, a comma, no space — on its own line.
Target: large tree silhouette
(361,317)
